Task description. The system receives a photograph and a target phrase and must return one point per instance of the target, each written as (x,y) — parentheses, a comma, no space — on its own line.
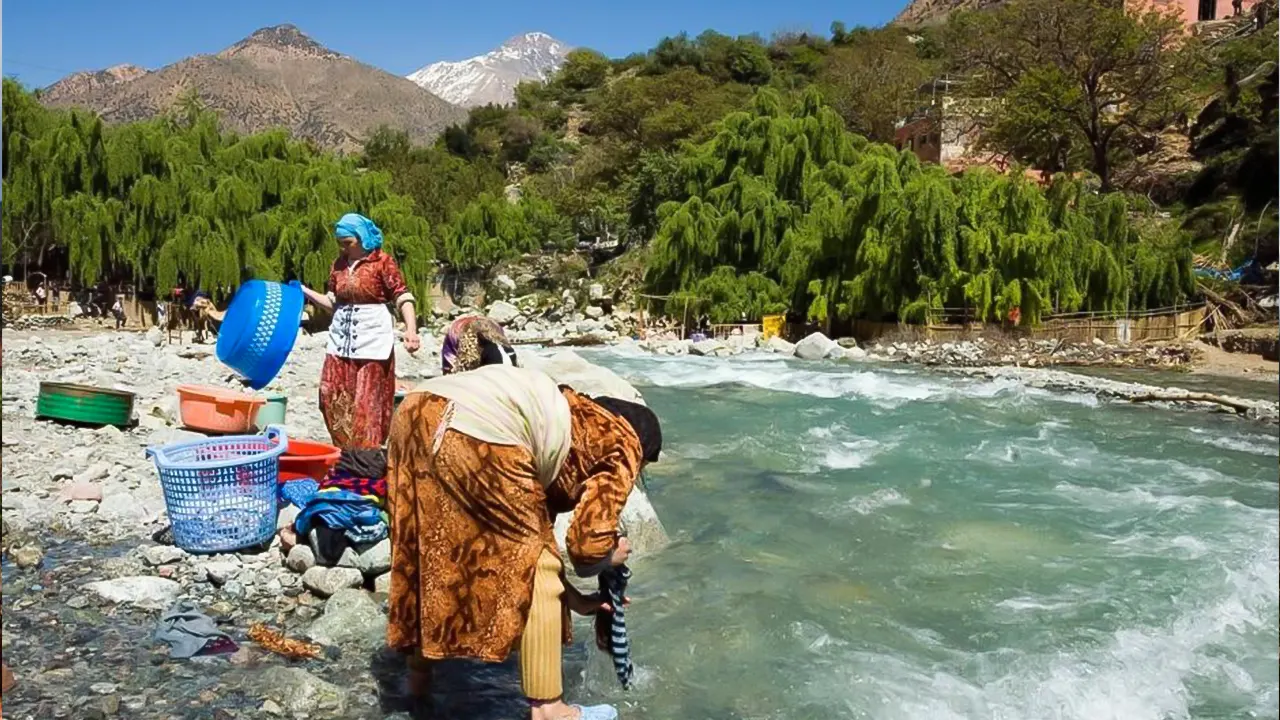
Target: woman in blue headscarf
(358,381)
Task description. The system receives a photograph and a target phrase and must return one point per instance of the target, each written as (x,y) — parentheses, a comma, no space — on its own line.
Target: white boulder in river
(640,520)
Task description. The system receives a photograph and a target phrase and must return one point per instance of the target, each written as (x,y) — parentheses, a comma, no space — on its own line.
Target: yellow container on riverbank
(771,325)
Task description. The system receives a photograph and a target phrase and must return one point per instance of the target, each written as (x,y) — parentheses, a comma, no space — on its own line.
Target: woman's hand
(412,342)
(588,604)
(621,552)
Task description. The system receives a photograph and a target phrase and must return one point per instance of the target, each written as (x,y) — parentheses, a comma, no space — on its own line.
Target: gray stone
(143,591)
(124,507)
(287,515)
(83,507)
(593,312)
(780,346)
(595,291)
(325,581)
(155,336)
(847,342)
(351,618)
(502,312)
(382,583)
(219,572)
(815,347)
(706,348)
(301,559)
(93,473)
(162,554)
(854,354)
(298,693)
(375,559)
(569,368)
(505,282)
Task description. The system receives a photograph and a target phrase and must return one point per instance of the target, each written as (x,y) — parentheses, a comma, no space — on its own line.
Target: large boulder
(640,520)
(351,618)
(502,312)
(816,347)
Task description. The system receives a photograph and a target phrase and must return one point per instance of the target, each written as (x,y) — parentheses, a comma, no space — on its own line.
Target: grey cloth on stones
(187,630)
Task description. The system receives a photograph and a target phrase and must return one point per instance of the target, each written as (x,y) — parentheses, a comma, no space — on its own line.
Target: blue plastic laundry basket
(221,493)
(259,329)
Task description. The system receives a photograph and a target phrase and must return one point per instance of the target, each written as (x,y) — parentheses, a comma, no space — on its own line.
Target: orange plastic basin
(307,459)
(216,410)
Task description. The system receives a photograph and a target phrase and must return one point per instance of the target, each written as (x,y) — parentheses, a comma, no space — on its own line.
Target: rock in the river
(815,347)
(144,591)
(351,617)
(502,312)
(706,348)
(300,559)
(854,354)
(325,581)
(569,368)
(780,346)
(303,695)
(27,556)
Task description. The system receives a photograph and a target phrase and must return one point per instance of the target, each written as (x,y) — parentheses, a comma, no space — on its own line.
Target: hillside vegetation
(744,175)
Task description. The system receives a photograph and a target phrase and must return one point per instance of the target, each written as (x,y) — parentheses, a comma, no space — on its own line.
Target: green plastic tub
(272,413)
(85,404)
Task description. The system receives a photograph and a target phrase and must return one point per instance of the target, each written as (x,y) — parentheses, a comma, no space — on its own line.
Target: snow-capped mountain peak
(492,77)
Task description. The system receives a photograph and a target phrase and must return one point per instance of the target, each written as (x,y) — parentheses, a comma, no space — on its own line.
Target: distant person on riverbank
(117,311)
(358,379)
(480,462)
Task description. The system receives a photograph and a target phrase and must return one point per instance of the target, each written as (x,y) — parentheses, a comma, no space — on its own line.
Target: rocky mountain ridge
(276,77)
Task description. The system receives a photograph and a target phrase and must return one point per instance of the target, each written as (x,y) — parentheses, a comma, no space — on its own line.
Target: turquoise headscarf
(355,225)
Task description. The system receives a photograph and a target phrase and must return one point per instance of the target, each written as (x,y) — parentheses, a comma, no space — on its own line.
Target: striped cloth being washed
(611,628)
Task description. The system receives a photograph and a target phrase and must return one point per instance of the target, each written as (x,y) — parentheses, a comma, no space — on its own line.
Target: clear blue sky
(46,39)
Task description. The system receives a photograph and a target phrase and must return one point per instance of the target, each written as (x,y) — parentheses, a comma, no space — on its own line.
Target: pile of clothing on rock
(345,509)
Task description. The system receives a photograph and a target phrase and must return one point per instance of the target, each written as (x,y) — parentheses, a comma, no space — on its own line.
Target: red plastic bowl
(307,459)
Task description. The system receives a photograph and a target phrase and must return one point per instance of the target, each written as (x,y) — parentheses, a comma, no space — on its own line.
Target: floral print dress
(357,395)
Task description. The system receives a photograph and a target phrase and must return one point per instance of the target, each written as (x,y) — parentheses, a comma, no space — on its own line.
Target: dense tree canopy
(803,213)
(175,199)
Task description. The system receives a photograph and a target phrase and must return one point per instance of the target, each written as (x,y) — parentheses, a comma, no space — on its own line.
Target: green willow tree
(175,199)
(844,228)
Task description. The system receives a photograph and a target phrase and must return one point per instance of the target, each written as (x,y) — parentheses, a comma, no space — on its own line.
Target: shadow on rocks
(460,689)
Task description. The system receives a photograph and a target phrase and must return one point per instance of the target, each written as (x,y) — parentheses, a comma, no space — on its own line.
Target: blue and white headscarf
(355,225)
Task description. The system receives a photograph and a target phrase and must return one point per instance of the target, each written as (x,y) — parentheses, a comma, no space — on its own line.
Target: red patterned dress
(358,381)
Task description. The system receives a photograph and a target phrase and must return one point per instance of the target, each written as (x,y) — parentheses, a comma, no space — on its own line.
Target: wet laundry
(190,632)
(611,627)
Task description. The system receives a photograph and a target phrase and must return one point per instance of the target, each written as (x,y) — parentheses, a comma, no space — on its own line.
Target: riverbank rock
(303,695)
(351,618)
(816,347)
(142,591)
(326,581)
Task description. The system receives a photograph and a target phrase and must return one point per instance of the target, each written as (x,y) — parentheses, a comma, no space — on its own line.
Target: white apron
(361,332)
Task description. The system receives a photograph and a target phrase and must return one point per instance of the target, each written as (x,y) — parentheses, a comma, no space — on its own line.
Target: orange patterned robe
(468,524)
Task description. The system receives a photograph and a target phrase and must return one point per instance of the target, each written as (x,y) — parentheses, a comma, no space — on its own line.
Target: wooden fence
(1161,324)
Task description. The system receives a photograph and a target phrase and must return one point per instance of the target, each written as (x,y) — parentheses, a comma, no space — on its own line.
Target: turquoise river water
(881,542)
